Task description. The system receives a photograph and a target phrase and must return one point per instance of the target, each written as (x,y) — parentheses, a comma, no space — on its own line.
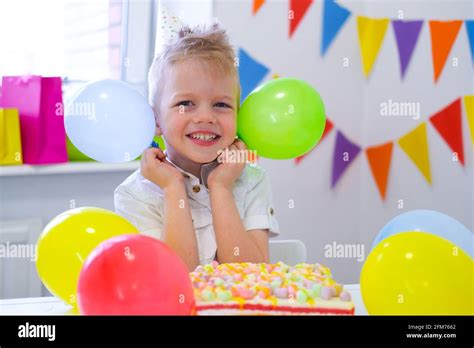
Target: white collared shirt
(141,202)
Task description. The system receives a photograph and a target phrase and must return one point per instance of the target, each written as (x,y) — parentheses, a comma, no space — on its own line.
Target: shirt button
(196,188)
(272,211)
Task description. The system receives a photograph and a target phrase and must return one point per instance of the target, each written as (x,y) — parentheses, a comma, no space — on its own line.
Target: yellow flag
(415,145)
(10,137)
(371,34)
(469,107)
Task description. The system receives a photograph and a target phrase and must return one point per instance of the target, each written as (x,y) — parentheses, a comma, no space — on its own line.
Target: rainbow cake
(268,289)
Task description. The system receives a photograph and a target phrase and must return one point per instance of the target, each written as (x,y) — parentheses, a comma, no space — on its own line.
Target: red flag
(327,129)
(449,125)
(297,11)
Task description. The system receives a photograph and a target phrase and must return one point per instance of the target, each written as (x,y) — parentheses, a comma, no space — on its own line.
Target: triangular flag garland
(379,158)
(447,122)
(334,17)
(469,107)
(251,73)
(449,125)
(406,35)
(371,35)
(371,32)
(345,152)
(329,126)
(298,9)
(256,6)
(415,145)
(443,35)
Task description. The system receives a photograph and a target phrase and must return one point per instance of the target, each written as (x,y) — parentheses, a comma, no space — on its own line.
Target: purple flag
(406,33)
(344,153)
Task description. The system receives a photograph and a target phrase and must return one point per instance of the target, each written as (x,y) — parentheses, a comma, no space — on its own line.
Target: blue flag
(334,17)
(251,73)
(470,35)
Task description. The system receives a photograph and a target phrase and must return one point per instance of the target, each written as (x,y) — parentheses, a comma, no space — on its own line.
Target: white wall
(353,212)
(40,198)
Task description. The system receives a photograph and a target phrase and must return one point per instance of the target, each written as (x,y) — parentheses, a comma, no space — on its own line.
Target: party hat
(167,28)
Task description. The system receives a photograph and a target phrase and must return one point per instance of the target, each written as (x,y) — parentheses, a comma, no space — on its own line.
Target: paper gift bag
(10,138)
(39,102)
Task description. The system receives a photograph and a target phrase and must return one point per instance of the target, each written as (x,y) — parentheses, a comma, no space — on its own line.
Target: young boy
(202,208)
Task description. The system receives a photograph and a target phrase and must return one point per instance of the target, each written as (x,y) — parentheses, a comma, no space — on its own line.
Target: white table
(55,306)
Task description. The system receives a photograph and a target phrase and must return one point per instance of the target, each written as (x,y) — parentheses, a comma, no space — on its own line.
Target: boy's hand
(155,168)
(225,174)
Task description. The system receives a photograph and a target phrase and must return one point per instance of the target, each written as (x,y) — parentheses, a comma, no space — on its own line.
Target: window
(78,40)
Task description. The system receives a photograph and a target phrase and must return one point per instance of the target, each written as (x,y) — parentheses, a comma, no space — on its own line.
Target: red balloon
(134,275)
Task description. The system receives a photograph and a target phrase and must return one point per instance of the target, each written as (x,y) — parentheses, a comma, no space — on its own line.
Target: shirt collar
(185,173)
(205,170)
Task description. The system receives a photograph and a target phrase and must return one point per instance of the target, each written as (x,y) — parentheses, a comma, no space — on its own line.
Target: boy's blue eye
(222,105)
(184,103)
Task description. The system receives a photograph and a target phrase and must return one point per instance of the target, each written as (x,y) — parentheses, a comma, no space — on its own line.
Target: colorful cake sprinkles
(268,289)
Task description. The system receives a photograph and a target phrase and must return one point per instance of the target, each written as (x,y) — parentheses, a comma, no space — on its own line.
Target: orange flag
(379,160)
(256,6)
(415,145)
(443,35)
(449,125)
(297,11)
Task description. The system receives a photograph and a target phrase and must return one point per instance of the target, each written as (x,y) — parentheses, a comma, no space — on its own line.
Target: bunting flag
(406,35)
(334,17)
(443,35)
(449,125)
(371,35)
(372,31)
(415,145)
(469,107)
(470,36)
(298,9)
(447,122)
(329,126)
(380,158)
(256,6)
(344,154)
(251,73)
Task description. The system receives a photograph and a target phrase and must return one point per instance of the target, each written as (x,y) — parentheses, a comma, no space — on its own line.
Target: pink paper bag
(39,102)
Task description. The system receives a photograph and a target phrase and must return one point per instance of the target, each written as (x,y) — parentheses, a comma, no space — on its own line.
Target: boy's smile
(204,138)
(197,112)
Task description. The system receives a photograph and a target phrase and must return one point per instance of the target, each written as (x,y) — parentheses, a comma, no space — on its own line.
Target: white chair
(290,252)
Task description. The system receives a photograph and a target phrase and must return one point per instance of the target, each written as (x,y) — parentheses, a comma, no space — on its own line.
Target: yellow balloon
(417,273)
(67,240)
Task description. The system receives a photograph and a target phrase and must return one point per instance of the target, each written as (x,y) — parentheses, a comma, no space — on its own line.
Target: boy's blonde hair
(208,43)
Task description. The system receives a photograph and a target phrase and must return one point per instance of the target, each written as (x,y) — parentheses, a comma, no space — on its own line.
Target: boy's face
(198,110)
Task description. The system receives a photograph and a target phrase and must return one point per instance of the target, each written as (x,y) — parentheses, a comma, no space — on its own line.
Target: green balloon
(282,119)
(159,140)
(74,154)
